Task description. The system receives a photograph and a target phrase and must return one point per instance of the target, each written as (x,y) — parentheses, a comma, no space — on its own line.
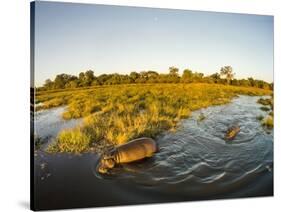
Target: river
(193,163)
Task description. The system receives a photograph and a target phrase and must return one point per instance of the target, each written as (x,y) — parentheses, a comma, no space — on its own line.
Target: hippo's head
(107,162)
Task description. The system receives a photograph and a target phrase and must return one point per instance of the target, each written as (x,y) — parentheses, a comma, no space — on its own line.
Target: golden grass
(119,113)
(268,122)
(74,141)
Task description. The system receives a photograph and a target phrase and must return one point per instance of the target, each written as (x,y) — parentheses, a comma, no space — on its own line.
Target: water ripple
(197,154)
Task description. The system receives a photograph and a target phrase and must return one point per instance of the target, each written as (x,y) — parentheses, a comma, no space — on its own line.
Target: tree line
(88,78)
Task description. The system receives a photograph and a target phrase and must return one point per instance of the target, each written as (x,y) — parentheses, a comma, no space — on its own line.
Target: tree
(235,82)
(197,77)
(81,76)
(244,82)
(173,71)
(103,78)
(88,78)
(89,75)
(173,75)
(134,76)
(215,77)
(227,71)
(186,76)
(143,77)
(48,84)
(62,79)
(152,76)
(72,84)
(251,81)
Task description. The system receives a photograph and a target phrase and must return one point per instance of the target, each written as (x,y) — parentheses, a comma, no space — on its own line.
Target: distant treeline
(88,78)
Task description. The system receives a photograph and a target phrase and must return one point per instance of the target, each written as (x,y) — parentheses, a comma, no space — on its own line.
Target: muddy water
(194,163)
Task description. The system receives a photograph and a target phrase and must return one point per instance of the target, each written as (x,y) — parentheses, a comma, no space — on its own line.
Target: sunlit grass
(116,114)
(74,141)
(268,122)
(268,101)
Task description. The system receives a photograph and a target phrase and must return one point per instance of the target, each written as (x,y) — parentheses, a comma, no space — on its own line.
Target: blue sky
(70,38)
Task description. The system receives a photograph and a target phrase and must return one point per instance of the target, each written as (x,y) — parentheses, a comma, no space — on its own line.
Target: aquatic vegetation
(116,114)
(263,108)
(201,117)
(263,101)
(73,140)
(38,142)
(260,117)
(268,122)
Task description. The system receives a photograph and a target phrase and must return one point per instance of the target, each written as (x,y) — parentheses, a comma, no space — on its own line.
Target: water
(48,123)
(193,163)
(197,152)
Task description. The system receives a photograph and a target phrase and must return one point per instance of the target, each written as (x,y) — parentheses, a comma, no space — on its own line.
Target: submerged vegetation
(267,121)
(201,117)
(116,114)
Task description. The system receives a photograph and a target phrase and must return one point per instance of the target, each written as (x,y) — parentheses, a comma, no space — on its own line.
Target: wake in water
(197,158)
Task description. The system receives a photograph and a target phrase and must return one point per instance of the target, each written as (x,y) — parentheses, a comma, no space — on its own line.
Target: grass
(267,121)
(201,117)
(116,114)
(264,108)
(71,140)
(265,102)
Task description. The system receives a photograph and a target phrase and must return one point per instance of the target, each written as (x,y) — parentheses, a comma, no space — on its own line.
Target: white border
(14,87)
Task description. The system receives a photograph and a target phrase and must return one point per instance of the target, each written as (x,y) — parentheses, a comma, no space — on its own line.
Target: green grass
(116,114)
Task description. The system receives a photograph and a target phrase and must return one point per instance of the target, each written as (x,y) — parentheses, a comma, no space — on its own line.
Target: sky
(71,38)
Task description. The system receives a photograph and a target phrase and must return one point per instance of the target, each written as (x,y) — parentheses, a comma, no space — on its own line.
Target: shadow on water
(193,163)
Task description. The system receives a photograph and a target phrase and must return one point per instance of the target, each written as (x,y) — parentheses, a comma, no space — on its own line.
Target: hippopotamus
(134,150)
(232,132)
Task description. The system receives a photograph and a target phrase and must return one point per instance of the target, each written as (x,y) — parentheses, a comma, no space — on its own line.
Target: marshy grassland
(115,114)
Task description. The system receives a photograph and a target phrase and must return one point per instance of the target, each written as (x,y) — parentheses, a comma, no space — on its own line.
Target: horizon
(159,72)
(72,38)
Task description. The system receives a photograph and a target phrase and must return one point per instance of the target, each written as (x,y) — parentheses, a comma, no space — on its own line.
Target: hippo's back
(136,150)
